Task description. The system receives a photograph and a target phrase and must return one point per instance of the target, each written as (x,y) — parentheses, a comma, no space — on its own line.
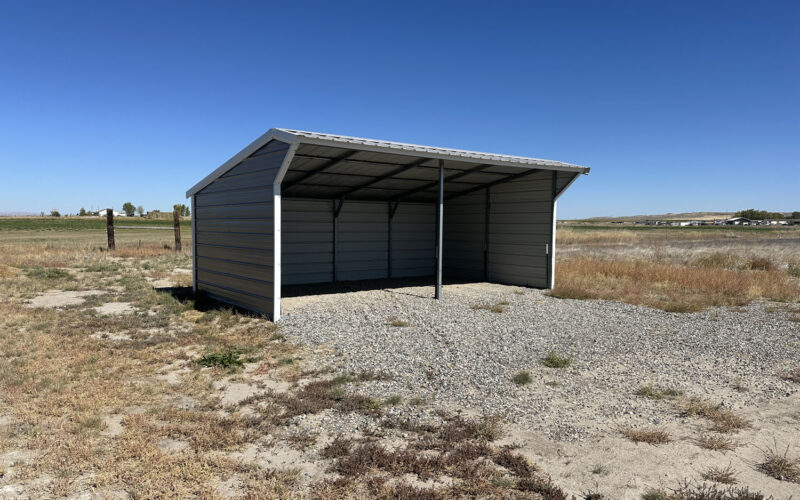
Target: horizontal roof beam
(511,177)
(436,183)
(380,178)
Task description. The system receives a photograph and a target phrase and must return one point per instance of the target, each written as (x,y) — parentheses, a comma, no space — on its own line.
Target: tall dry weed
(669,286)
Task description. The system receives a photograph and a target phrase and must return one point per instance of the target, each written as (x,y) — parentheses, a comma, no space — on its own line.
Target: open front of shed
(299,207)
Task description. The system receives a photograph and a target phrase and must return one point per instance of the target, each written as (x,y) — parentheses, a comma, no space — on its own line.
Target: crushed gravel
(458,357)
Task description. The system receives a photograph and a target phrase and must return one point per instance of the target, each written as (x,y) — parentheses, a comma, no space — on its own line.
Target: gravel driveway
(454,356)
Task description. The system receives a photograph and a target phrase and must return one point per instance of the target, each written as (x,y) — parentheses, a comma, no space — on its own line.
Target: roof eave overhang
(295,140)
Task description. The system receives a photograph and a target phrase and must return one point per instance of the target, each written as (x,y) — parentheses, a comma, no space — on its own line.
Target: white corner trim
(553,250)
(276,252)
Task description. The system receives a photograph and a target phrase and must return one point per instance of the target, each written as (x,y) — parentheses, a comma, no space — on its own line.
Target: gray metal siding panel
(519,222)
(365,225)
(464,223)
(307,241)
(414,240)
(234,232)
(363,240)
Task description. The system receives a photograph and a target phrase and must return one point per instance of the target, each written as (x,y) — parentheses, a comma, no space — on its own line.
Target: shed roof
(330,150)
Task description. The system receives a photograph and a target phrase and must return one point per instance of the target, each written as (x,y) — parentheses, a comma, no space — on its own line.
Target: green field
(80,223)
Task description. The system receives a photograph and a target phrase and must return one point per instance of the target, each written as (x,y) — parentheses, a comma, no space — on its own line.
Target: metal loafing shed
(298,207)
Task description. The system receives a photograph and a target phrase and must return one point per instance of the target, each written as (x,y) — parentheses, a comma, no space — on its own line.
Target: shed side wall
(234,232)
(519,232)
(520,228)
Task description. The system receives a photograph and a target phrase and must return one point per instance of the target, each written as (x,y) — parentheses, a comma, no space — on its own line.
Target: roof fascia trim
(438,156)
(271,134)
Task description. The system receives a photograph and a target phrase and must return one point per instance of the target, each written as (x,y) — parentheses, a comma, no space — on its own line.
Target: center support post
(439,230)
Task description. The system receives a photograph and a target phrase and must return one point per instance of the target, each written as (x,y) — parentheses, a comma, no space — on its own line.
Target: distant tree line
(753,214)
(129,210)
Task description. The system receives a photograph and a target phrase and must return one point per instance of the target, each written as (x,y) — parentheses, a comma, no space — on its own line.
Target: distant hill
(17,214)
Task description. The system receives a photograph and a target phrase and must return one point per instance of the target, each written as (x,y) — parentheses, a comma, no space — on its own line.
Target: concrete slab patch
(56,299)
(115,308)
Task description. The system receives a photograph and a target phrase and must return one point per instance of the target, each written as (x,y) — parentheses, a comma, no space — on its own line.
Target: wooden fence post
(110,229)
(176,223)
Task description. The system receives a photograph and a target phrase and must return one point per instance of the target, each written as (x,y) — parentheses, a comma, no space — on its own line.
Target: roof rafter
(325,166)
(494,183)
(453,177)
(380,178)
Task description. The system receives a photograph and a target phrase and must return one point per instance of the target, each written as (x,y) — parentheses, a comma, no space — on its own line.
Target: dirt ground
(115,382)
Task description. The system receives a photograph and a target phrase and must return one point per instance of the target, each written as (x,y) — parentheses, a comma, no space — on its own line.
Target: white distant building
(104,213)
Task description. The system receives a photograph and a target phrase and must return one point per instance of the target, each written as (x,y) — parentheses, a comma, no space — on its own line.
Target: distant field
(78,223)
(628,227)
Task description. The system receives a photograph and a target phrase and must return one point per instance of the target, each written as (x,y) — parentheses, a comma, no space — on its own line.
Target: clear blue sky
(676,106)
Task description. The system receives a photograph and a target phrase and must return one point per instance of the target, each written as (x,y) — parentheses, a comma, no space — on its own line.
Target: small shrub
(649,436)
(759,264)
(399,323)
(339,447)
(716,442)
(393,400)
(416,401)
(600,470)
(553,360)
(722,419)
(781,467)
(47,273)
(228,358)
(495,308)
(793,269)
(657,392)
(522,378)
(726,475)
(717,260)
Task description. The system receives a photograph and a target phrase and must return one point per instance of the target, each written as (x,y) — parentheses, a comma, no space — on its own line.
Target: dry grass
(721,419)
(780,465)
(649,436)
(668,286)
(723,475)
(495,308)
(717,442)
(651,391)
(399,323)
(459,454)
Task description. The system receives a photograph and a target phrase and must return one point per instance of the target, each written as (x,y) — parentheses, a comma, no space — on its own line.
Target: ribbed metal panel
(307,241)
(234,232)
(520,229)
(464,229)
(413,240)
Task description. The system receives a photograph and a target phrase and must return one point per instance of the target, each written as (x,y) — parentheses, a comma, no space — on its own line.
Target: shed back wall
(363,241)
